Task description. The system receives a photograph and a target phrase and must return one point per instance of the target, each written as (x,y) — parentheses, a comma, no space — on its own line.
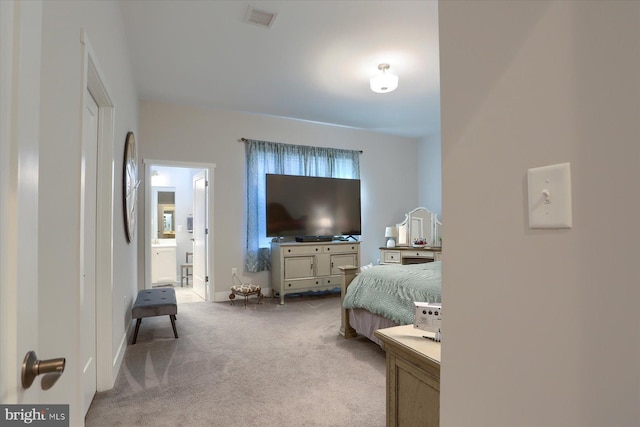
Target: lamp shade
(384,83)
(391,232)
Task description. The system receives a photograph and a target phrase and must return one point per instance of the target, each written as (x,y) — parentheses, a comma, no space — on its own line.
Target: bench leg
(135,334)
(173,323)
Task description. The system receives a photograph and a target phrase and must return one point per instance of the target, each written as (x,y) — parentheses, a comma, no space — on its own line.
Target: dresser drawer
(316,282)
(348,248)
(301,250)
(391,257)
(418,254)
(334,281)
(301,284)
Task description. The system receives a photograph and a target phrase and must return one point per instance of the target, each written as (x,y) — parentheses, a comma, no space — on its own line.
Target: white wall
(59,204)
(430,170)
(542,326)
(388,170)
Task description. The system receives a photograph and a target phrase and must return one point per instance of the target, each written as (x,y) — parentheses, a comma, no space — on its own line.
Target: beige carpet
(268,365)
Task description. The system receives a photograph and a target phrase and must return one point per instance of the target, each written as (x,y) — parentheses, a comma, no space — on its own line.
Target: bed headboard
(420,223)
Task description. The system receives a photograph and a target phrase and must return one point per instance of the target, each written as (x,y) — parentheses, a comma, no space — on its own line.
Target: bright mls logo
(36,415)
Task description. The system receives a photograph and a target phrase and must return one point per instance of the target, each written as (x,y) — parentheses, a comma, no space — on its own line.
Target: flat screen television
(308,207)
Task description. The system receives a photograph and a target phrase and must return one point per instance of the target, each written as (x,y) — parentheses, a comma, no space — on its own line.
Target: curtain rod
(245,140)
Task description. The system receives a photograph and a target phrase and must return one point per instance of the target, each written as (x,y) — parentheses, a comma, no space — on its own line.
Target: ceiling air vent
(260,17)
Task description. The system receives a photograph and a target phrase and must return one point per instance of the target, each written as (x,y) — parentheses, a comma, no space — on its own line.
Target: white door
(200,231)
(88,248)
(20,48)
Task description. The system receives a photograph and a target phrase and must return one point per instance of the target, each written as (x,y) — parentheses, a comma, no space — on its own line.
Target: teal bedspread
(390,290)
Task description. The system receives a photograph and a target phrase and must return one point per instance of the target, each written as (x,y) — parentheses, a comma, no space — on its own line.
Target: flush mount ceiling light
(383,83)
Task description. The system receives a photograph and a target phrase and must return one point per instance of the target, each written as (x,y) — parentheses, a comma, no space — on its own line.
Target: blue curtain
(271,157)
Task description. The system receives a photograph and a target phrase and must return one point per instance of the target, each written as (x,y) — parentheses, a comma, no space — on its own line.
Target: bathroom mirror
(166,208)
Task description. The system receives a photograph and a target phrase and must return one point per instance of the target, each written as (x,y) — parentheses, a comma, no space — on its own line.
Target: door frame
(148,232)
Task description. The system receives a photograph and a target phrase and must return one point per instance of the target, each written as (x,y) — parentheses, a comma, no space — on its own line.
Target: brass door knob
(32,367)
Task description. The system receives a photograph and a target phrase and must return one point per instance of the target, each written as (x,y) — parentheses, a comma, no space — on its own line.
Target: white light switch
(550,196)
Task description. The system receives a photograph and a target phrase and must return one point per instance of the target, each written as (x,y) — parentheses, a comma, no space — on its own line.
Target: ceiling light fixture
(383,83)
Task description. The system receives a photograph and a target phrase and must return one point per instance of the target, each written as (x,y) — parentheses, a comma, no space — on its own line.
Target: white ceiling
(314,63)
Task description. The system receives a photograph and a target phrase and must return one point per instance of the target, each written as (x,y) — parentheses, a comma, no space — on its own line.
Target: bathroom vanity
(163,261)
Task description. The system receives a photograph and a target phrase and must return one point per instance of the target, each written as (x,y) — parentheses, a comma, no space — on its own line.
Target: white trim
(117,360)
(210,167)
(93,78)
(179,164)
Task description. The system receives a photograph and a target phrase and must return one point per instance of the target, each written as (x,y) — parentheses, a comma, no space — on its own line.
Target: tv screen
(312,206)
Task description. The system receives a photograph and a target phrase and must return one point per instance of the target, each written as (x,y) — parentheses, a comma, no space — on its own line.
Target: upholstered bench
(245,290)
(155,302)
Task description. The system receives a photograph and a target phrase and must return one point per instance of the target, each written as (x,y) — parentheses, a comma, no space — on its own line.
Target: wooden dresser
(301,267)
(413,377)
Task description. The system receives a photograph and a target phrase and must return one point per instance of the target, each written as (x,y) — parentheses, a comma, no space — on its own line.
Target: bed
(382,296)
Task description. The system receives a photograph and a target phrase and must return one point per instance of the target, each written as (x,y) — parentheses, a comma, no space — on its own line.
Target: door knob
(32,367)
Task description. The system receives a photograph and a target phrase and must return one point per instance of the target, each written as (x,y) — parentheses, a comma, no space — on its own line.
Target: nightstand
(413,376)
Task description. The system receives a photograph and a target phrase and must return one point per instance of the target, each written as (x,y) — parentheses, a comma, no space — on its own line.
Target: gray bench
(155,302)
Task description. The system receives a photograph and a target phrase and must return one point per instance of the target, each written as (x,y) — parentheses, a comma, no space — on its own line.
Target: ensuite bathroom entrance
(176,226)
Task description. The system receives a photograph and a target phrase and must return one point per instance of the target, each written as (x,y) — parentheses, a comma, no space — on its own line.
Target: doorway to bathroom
(178,210)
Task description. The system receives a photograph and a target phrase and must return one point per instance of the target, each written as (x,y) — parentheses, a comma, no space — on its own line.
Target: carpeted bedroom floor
(268,365)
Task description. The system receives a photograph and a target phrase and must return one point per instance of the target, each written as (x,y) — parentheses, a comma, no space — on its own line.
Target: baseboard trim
(122,348)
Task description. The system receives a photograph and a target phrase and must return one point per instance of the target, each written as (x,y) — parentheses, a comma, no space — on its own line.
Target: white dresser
(300,267)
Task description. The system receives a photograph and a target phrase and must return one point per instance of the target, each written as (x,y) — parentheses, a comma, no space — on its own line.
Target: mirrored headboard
(420,223)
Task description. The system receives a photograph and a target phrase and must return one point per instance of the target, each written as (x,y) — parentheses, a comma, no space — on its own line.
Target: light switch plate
(549,190)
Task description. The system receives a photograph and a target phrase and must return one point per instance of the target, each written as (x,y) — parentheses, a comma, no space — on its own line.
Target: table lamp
(391,233)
